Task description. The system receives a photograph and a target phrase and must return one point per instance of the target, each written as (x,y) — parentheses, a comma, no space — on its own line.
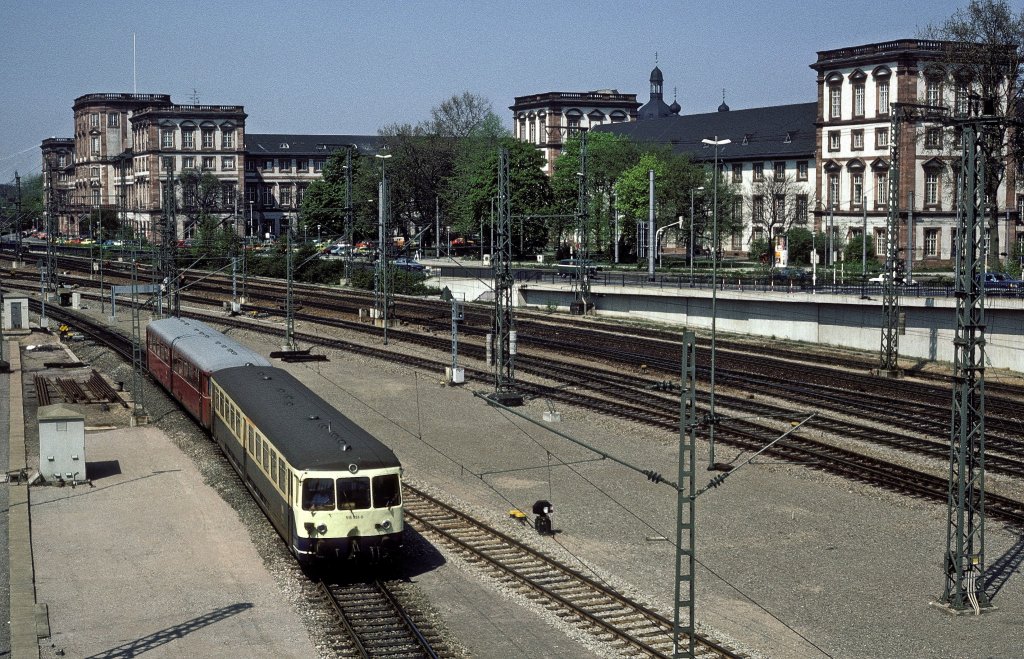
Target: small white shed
(16,315)
(61,444)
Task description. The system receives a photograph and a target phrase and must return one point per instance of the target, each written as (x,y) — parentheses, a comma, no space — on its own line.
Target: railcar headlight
(322,529)
(384,526)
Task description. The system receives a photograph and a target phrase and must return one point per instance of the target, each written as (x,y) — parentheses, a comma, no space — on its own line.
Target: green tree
(475,185)
(608,155)
(798,244)
(853,252)
(990,66)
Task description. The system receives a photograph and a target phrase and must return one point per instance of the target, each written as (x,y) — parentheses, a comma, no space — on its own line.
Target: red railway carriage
(182,353)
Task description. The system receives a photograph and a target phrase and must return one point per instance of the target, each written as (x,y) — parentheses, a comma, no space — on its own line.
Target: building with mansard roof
(126,145)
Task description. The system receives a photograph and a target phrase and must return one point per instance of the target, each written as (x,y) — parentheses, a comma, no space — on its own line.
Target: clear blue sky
(352,67)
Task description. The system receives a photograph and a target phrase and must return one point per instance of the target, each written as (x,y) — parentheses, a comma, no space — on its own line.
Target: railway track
(377,624)
(632,627)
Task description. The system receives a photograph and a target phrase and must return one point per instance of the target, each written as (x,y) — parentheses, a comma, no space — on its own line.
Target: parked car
(409,265)
(998,283)
(788,275)
(571,268)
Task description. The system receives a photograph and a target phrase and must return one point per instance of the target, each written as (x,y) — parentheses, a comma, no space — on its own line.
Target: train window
(266,459)
(259,450)
(272,472)
(249,435)
(386,491)
(282,473)
(353,493)
(318,494)
(290,491)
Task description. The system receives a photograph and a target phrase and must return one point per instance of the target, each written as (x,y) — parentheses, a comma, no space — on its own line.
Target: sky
(351,67)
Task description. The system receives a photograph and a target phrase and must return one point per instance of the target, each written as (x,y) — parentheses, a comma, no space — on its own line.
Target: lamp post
(382,253)
(714,299)
(692,191)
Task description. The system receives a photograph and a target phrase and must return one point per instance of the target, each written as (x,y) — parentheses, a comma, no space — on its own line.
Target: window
(932,138)
(96,197)
(282,474)
(757,208)
(833,140)
(300,165)
(858,99)
(300,192)
(167,138)
(522,127)
(188,162)
(543,131)
(932,92)
(266,458)
(386,491)
(318,165)
(94,120)
(857,140)
(880,241)
(533,132)
(960,101)
(267,195)
(780,171)
(207,138)
(931,242)
(284,164)
(62,160)
(268,165)
(250,194)
(574,124)
(228,193)
(835,102)
(881,189)
(758,171)
(94,172)
(883,97)
(272,472)
(113,120)
(188,138)
(286,195)
(833,190)
(802,209)
(881,138)
(251,440)
(857,180)
(318,494)
(801,170)
(227,163)
(209,162)
(737,173)
(227,139)
(250,165)
(353,493)
(95,143)
(931,188)
(168,163)
(779,205)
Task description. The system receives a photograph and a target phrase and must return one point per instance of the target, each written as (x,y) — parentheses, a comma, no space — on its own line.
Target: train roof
(205,347)
(306,429)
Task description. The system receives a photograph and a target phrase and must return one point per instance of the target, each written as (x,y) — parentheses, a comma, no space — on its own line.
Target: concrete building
(548,119)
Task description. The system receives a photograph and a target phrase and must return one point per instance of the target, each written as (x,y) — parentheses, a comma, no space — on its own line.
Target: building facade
(548,120)
(825,164)
(126,146)
(857,88)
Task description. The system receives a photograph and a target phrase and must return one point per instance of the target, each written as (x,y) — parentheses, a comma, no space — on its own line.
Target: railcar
(327,485)
(182,353)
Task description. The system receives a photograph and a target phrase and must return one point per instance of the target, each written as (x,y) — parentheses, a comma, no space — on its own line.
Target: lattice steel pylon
(686,504)
(900,113)
(169,247)
(889,355)
(581,284)
(504,319)
(965,537)
(289,305)
(138,361)
(52,212)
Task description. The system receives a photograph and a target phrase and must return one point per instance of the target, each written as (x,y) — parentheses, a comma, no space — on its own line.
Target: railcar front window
(353,493)
(386,492)
(318,494)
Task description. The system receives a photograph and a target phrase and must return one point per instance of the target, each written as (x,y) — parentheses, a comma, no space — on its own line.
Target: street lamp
(381,287)
(692,191)
(714,299)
